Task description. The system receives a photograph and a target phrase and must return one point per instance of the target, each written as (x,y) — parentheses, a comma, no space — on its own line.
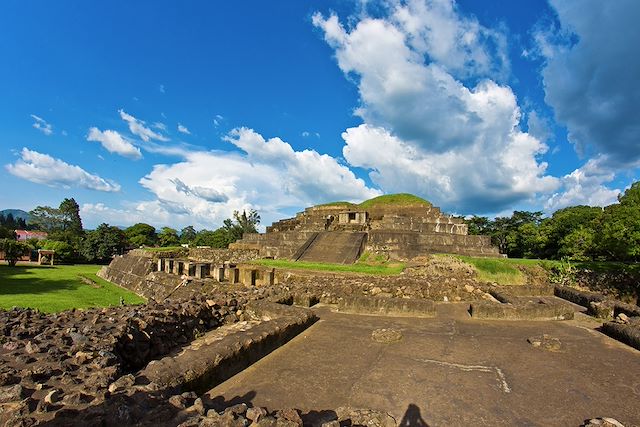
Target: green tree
(12,223)
(219,239)
(526,241)
(564,222)
(248,223)
(631,196)
(141,234)
(168,237)
(7,233)
(188,235)
(46,218)
(34,244)
(499,233)
(618,231)
(13,250)
(216,239)
(103,243)
(70,217)
(63,250)
(578,245)
(240,224)
(479,225)
(517,235)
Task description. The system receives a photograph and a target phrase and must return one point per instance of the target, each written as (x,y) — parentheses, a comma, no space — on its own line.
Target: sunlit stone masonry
(400,226)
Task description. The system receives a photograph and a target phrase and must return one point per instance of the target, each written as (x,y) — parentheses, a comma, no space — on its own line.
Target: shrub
(13,250)
(63,250)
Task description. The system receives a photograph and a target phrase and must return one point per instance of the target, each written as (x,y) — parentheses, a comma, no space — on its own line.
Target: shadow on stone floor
(412,417)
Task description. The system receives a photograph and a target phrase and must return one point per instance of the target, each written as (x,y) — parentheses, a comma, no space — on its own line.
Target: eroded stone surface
(545,342)
(386,335)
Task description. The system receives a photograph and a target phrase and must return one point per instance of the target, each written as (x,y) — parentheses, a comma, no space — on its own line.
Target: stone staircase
(338,247)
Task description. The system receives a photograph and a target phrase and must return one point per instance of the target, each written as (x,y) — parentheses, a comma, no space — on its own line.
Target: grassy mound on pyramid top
(402,199)
(343,204)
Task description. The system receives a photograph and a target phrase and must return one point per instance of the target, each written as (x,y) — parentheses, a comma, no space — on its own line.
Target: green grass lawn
(504,271)
(382,269)
(58,288)
(499,270)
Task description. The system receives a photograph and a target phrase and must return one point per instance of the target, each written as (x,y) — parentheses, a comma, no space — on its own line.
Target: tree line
(72,243)
(580,233)
(8,222)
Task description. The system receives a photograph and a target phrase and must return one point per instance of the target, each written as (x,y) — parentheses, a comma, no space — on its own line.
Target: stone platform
(341,232)
(449,370)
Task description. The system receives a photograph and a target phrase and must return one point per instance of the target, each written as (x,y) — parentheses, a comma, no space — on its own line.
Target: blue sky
(178,114)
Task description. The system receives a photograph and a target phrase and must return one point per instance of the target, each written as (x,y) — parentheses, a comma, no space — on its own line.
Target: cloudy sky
(177,113)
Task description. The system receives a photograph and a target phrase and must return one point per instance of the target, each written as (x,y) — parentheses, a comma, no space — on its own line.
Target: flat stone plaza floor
(449,370)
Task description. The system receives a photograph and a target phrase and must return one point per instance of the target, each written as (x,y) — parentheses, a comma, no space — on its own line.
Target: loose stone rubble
(78,357)
(603,422)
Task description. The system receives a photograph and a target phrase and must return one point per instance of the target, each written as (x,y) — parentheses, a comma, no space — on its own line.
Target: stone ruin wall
(407,245)
(281,244)
(129,271)
(400,232)
(137,270)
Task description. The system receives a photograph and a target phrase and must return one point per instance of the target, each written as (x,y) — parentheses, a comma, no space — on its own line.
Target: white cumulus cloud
(585,186)
(425,131)
(42,125)
(44,169)
(159,125)
(139,128)
(458,43)
(269,176)
(591,76)
(113,142)
(153,212)
(183,129)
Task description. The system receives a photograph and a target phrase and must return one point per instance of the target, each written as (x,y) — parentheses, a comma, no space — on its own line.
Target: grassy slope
(505,271)
(499,270)
(394,199)
(401,199)
(383,269)
(58,288)
(341,203)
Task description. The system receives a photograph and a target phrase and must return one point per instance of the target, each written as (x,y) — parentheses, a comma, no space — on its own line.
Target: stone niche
(353,217)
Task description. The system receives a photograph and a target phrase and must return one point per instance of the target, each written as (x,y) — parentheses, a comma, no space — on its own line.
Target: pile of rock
(241,415)
(190,410)
(73,358)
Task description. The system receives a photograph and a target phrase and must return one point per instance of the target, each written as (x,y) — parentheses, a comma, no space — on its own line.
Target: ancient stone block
(396,306)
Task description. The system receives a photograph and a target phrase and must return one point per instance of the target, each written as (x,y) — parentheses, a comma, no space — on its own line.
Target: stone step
(335,247)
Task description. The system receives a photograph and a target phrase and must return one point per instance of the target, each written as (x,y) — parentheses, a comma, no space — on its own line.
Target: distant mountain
(17,213)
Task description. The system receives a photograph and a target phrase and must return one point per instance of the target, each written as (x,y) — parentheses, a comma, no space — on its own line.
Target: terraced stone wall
(408,244)
(129,271)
